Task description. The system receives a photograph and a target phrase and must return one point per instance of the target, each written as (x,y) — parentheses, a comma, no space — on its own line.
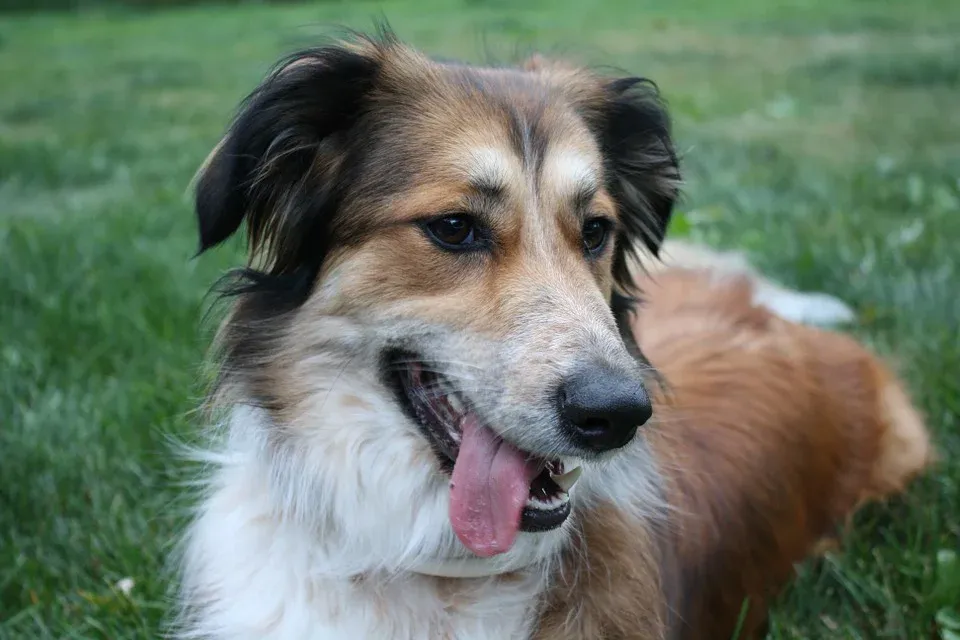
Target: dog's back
(769,433)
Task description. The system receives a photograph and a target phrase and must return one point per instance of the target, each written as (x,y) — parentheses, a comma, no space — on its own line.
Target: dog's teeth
(549,503)
(454,402)
(566,480)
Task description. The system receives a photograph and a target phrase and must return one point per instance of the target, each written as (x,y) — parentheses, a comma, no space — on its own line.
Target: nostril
(594,425)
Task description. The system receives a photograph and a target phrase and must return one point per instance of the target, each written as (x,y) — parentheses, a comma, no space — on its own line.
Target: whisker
(441,372)
(435,361)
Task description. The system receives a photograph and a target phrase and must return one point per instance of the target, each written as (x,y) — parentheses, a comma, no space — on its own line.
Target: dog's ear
(276,167)
(642,170)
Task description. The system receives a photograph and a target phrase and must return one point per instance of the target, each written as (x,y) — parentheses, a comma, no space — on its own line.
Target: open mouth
(496,489)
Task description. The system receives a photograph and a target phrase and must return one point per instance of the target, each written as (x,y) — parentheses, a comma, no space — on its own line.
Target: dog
(439,419)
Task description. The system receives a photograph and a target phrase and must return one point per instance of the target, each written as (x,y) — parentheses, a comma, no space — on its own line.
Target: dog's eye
(454,232)
(595,232)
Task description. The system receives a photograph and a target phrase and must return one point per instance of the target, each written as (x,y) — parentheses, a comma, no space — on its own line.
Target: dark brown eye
(454,232)
(595,232)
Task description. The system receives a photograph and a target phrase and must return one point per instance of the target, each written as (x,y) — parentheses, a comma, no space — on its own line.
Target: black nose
(603,408)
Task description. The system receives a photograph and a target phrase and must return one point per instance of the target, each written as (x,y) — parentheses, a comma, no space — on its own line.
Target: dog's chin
(439,408)
(451,559)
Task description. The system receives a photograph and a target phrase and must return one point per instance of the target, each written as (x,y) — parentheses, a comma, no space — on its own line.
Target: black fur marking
(528,137)
(278,168)
(518,131)
(282,167)
(489,190)
(583,198)
(642,168)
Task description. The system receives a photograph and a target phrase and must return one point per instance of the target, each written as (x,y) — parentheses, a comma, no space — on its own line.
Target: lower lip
(538,521)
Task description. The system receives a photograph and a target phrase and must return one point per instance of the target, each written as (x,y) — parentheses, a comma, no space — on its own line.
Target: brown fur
(609,585)
(346,205)
(769,435)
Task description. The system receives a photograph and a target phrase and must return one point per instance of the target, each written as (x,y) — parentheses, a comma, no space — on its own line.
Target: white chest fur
(251,573)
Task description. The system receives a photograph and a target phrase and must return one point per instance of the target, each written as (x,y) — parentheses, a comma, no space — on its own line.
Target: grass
(823,137)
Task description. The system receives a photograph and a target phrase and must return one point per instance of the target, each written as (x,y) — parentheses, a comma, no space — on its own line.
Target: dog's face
(427,326)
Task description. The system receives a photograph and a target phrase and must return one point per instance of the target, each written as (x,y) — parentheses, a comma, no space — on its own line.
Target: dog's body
(434,345)
(771,434)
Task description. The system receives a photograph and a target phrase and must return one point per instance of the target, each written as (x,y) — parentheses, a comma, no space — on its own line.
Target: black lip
(531,520)
(432,431)
(538,521)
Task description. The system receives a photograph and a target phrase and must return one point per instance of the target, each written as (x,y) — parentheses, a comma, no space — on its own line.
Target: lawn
(821,136)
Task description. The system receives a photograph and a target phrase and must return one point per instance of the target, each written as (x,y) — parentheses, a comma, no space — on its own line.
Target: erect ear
(277,165)
(643,175)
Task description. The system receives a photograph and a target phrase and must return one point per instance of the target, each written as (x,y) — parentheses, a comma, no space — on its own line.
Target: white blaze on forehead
(568,171)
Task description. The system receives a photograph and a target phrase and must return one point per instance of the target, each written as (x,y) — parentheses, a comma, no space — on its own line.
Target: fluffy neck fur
(253,571)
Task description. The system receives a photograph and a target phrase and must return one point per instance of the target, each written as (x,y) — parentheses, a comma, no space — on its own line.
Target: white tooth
(455,403)
(567,480)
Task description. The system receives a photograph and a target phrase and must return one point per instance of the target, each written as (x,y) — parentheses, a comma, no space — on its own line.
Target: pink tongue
(491,483)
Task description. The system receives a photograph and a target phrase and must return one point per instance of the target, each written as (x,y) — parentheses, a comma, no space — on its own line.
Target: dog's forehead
(494,128)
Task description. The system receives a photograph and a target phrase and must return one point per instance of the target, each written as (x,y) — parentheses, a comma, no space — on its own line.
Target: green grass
(821,136)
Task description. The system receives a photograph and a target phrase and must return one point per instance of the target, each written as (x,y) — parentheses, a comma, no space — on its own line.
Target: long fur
(771,434)
(325,513)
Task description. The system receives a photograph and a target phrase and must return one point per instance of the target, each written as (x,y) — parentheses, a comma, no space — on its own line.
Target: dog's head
(426,326)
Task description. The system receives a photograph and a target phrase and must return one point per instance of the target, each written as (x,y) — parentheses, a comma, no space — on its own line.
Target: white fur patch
(810,308)
(568,171)
(490,165)
(321,544)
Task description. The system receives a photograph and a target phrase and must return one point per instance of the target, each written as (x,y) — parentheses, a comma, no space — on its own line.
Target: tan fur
(609,584)
(769,435)
(905,445)
(388,265)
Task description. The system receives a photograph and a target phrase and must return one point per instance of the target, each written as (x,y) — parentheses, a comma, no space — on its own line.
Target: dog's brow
(487,188)
(583,196)
(571,174)
(570,167)
(488,170)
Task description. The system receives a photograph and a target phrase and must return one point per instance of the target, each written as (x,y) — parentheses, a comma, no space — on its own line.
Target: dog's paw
(819,309)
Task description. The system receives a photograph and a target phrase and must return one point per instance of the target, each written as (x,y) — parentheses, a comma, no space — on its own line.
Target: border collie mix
(432,374)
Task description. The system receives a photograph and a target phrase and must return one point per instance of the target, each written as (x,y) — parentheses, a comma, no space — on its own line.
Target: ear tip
(627,83)
(218,208)
(212,235)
